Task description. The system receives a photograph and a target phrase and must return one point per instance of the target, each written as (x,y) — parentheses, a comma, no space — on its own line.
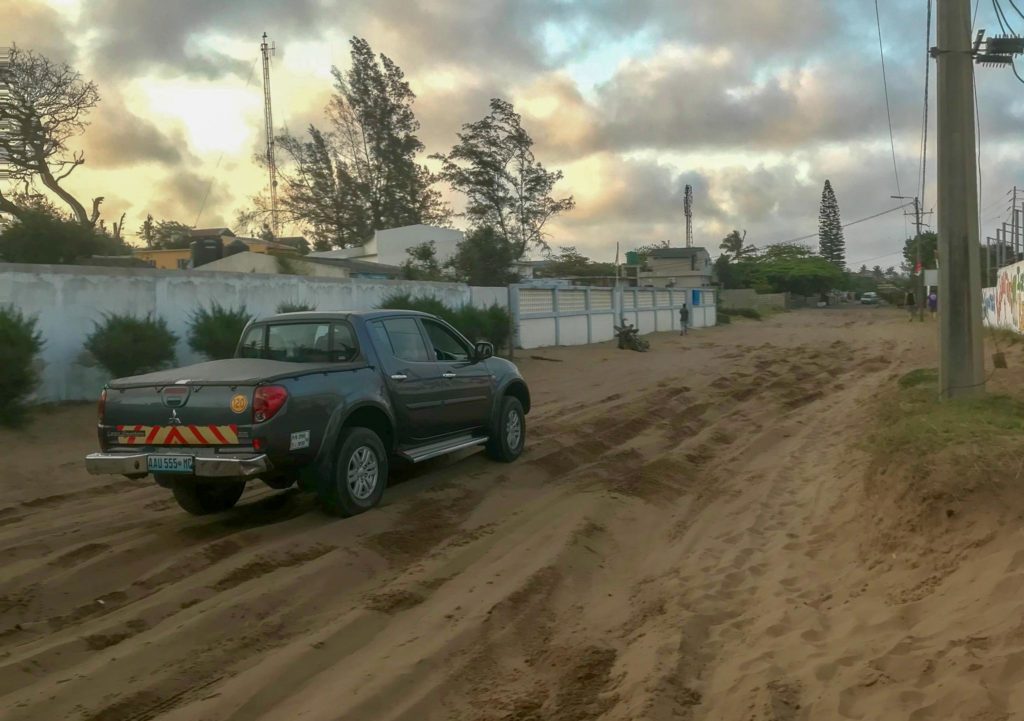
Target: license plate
(170,464)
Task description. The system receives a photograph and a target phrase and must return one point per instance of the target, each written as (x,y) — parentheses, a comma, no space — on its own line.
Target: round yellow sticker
(239,403)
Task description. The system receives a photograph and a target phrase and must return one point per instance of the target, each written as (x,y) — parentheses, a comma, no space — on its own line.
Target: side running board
(422,453)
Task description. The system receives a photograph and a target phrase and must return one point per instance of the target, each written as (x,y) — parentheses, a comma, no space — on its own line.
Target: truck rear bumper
(209,466)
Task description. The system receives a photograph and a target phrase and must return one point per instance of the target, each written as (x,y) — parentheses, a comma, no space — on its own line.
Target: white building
(389,246)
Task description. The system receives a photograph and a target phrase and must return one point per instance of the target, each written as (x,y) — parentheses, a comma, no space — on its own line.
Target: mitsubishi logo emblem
(174,420)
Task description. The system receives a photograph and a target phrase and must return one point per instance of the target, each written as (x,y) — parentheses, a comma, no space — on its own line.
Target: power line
(845,225)
(923,177)
(888,110)
(1014,6)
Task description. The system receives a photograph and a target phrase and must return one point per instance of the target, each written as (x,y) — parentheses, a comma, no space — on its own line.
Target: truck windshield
(320,342)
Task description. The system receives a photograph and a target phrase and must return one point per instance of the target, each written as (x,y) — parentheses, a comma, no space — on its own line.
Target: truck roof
(314,315)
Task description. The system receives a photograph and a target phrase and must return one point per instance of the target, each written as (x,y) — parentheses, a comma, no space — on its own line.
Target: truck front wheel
(359,475)
(509,437)
(201,498)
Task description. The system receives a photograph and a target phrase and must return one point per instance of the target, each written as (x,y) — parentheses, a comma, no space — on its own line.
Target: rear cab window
(309,342)
(401,337)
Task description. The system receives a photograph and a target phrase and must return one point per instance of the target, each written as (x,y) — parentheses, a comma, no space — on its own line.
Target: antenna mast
(268,117)
(688,210)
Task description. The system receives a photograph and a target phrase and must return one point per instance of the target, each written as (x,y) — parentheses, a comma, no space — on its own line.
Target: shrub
(722,317)
(287,307)
(492,324)
(215,331)
(126,345)
(20,342)
(751,313)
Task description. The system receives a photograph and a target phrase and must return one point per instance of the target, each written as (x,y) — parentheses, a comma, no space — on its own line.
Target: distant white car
(869,298)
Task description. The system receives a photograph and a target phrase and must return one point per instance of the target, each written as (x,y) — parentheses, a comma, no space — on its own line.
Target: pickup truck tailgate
(180,414)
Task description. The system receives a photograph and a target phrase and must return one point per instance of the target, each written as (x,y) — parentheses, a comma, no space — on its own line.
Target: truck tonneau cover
(232,371)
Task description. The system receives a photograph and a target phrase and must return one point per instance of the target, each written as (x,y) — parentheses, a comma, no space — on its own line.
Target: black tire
(201,498)
(504,446)
(345,496)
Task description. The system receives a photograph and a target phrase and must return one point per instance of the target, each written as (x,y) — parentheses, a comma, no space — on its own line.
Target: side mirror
(483,351)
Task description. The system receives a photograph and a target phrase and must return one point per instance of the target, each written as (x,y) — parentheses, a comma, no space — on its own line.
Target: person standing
(933,303)
(910,304)
(684,319)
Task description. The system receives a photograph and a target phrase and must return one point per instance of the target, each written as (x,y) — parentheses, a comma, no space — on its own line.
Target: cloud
(37,27)
(118,138)
(184,193)
(183,37)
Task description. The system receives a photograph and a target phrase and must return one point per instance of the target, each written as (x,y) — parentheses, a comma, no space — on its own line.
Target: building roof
(666,253)
(356,266)
(210,232)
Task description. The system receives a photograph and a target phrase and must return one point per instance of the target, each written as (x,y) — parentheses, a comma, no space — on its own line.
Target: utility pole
(267,50)
(961,361)
(918,261)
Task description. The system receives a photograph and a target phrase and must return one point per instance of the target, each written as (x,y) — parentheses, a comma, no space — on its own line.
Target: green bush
(215,331)
(722,317)
(287,307)
(126,345)
(20,342)
(492,324)
(746,313)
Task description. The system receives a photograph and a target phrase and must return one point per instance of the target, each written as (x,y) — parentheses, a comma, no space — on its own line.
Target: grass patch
(914,420)
(750,313)
(919,377)
(1001,337)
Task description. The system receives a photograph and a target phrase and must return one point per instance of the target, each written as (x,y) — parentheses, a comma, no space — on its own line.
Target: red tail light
(266,402)
(101,406)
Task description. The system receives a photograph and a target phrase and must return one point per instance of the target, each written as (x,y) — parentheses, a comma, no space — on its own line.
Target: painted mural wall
(1004,305)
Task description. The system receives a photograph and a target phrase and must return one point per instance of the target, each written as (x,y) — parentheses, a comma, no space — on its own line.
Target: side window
(344,348)
(253,344)
(402,336)
(446,345)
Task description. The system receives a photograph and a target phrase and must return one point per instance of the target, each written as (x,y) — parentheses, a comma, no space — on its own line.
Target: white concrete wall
(486,297)
(69,300)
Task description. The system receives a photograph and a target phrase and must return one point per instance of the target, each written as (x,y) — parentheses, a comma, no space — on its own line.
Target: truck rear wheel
(509,437)
(201,498)
(356,483)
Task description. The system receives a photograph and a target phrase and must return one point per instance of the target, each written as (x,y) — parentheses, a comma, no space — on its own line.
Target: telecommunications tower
(267,51)
(688,210)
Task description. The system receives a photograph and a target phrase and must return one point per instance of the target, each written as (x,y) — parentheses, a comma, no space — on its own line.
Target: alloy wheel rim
(363,472)
(513,430)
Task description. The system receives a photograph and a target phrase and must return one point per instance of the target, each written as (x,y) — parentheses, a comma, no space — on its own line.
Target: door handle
(448,375)
(398,376)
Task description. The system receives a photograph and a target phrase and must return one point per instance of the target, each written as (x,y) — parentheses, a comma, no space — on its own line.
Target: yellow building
(181,258)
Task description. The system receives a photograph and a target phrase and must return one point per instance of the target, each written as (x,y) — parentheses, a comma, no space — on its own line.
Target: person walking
(910,304)
(933,303)
(684,319)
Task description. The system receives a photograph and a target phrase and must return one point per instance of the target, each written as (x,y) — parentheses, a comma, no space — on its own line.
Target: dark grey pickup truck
(324,400)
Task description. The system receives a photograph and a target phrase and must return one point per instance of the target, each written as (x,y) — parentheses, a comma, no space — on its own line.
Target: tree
(733,245)
(164,234)
(38,237)
(506,188)
(362,174)
(570,263)
(485,258)
(831,243)
(929,247)
(45,107)
(422,262)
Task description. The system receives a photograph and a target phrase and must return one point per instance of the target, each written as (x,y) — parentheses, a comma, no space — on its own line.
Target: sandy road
(682,540)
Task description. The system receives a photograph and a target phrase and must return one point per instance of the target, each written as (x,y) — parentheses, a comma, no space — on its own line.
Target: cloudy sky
(755,104)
